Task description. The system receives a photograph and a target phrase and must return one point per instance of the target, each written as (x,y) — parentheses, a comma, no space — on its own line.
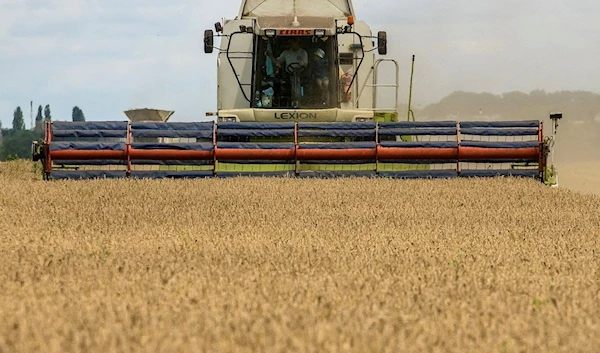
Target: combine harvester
(315,114)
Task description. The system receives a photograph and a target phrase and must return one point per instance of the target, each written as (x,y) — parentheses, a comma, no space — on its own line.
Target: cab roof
(300,8)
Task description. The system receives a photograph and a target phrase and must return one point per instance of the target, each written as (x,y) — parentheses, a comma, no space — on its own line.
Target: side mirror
(218,27)
(208,41)
(382,43)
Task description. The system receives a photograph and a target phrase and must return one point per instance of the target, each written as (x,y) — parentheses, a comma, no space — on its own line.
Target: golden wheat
(284,265)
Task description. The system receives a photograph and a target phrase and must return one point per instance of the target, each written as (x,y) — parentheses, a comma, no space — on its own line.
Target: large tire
(208,41)
(382,43)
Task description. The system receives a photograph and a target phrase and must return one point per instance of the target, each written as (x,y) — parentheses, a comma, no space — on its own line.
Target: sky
(107,56)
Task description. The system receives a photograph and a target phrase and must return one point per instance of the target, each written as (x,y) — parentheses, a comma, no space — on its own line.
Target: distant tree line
(15,143)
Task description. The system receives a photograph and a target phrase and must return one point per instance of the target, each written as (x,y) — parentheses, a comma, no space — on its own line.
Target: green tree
(17,143)
(78,114)
(18,122)
(47,113)
(39,119)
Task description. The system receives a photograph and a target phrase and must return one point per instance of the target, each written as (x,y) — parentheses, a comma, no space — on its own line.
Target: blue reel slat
(499,132)
(172,126)
(418,132)
(255,126)
(205,146)
(441,144)
(418,124)
(486,144)
(200,134)
(255,133)
(87,146)
(89,134)
(337,145)
(164,174)
(336,126)
(499,124)
(420,174)
(87,174)
(255,145)
(89,125)
(501,172)
(337,133)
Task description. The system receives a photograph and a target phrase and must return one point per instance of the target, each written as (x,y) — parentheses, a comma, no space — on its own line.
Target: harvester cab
(298,61)
(298,94)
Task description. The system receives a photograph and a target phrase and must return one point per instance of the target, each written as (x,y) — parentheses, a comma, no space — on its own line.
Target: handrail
(374,72)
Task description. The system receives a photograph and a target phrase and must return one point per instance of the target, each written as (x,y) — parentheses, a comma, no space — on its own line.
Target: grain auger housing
(298,94)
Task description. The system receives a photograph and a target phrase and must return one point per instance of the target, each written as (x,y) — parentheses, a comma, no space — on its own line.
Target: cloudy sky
(107,56)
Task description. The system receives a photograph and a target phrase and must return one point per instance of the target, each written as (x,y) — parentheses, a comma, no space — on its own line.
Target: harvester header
(444,149)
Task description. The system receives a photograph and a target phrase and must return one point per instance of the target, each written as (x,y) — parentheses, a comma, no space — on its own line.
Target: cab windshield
(295,72)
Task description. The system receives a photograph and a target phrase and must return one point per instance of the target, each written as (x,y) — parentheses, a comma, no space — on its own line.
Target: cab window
(295,72)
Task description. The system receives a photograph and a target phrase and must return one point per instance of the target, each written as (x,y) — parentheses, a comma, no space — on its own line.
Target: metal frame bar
(47,142)
(458,141)
(128,149)
(542,156)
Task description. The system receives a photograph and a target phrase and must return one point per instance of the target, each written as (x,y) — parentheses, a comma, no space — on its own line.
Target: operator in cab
(320,70)
(294,55)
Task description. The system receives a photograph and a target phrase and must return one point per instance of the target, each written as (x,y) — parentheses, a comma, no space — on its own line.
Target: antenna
(555,117)
(412,74)
(31,114)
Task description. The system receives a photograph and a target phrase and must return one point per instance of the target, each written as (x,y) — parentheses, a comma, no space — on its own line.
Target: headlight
(270,33)
(227,119)
(363,120)
(319,33)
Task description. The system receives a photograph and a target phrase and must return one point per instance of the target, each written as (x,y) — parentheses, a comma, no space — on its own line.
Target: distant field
(283,265)
(580,176)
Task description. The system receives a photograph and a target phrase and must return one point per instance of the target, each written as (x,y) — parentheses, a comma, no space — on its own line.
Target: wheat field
(283,265)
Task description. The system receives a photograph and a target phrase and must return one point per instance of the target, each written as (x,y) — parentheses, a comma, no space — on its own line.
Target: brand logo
(295,32)
(296,116)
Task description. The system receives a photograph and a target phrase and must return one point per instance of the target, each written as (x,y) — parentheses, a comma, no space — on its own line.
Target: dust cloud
(577,157)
